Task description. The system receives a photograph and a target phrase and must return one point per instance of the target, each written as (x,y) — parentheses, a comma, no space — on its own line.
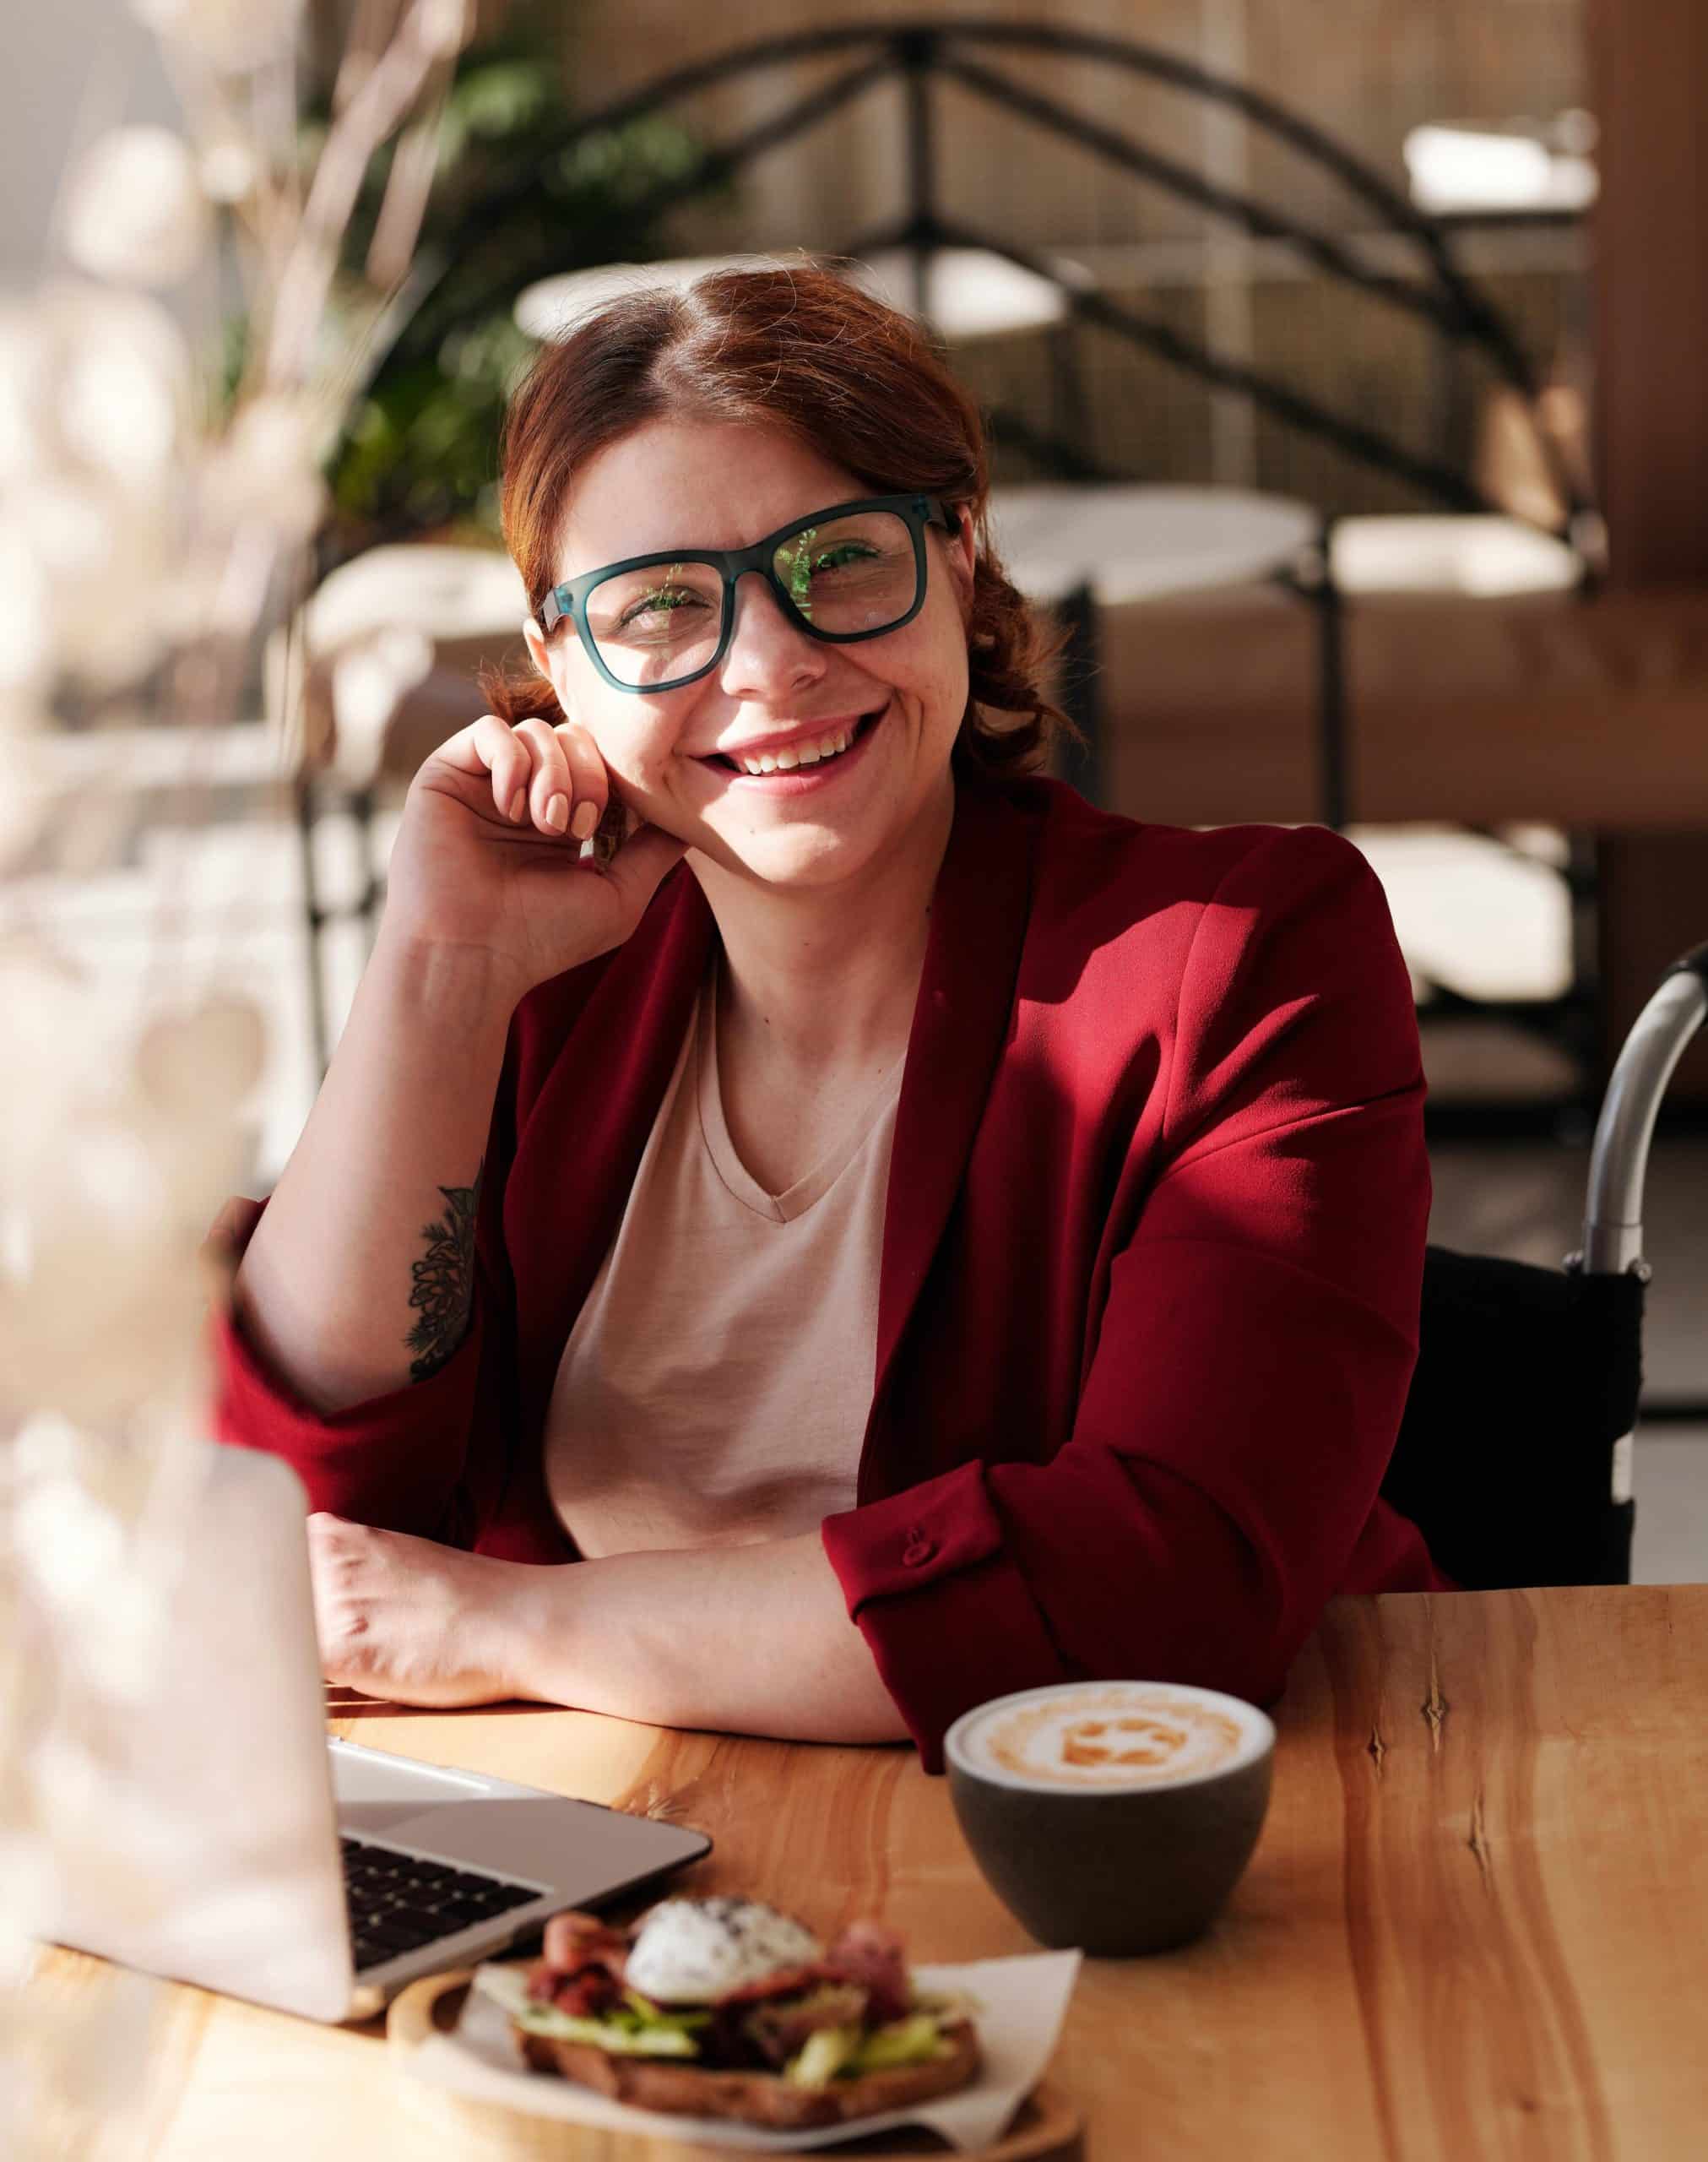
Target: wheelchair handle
(1612,1231)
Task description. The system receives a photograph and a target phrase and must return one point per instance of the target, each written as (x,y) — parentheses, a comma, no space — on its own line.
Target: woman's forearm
(358,1277)
(741,1639)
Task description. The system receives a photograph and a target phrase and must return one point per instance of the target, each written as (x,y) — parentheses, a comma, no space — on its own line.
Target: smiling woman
(795,354)
(886,1192)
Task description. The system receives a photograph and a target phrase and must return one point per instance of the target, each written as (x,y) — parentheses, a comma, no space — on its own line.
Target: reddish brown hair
(805,351)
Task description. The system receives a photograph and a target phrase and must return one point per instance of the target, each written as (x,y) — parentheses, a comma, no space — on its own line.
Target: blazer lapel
(960,1023)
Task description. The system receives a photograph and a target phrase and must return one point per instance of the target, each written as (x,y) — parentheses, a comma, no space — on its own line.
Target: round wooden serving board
(1047,2129)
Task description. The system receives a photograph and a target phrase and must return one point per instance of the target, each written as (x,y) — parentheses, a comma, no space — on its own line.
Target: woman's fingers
(548,792)
(521,793)
(552,778)
(589,781)
(505,754)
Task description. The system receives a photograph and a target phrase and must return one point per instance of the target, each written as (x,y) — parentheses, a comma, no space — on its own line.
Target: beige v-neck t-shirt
(715,1386)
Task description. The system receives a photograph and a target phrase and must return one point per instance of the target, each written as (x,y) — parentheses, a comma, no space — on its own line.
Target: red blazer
(1152,1261)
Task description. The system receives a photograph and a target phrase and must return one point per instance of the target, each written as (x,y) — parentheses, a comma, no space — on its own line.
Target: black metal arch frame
(919,55)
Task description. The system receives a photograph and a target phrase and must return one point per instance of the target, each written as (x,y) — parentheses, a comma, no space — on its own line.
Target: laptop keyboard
(399,1902)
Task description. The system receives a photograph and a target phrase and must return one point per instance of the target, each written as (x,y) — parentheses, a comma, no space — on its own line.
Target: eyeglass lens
(843,575)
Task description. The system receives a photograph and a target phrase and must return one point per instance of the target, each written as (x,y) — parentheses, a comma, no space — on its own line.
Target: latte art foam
(1107,1736)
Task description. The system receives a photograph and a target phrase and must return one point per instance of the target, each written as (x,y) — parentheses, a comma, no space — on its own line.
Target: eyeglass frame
(570,599)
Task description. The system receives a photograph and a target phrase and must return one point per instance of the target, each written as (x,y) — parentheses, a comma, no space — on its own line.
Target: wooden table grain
(1474,1926)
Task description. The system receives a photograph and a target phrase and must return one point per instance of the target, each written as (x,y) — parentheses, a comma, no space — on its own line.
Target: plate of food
(725,2022)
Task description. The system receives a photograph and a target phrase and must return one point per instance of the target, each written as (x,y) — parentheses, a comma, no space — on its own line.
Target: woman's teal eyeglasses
(654,622)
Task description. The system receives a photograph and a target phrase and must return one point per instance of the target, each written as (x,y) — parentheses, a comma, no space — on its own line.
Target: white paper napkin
(1019,2007)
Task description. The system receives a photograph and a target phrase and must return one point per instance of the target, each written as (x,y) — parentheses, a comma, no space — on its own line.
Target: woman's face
(692,485)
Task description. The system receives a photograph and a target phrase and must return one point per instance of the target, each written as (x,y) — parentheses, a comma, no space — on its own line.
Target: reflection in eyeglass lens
(850,575)
(842,575)
(652,625)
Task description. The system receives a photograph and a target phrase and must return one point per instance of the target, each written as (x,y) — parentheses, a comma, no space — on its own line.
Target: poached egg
(696,1951)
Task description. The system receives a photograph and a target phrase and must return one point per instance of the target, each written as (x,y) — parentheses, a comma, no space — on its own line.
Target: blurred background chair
(382,666)
(1515,1454)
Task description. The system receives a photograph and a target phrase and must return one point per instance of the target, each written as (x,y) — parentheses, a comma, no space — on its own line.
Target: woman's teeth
(797,754)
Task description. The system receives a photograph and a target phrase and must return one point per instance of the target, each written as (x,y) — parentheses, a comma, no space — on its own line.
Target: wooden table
(1474,1925)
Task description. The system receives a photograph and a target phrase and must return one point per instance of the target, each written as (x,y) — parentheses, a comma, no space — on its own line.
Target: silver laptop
(266,1862)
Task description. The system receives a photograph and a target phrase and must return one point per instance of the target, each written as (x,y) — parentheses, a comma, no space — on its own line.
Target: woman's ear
(538,651)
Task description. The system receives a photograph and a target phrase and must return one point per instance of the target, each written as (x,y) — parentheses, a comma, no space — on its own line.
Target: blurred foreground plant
(152,526)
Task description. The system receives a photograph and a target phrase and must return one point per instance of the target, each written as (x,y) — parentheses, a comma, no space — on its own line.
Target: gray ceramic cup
(1116,1816)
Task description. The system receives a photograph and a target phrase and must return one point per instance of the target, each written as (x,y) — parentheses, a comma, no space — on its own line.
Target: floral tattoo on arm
(443,1290)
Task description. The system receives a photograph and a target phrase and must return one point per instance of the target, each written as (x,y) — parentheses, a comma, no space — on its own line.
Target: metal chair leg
(372,889)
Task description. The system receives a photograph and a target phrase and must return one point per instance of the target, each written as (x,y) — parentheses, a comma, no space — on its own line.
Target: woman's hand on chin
(414,1622)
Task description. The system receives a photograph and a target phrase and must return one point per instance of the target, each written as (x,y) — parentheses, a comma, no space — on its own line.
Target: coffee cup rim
(1258,1741)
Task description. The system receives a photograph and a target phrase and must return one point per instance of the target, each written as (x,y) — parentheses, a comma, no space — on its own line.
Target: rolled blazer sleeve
(1256,1344)
(395,1460)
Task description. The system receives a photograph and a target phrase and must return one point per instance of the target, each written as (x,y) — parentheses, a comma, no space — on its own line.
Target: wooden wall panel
(1649,66)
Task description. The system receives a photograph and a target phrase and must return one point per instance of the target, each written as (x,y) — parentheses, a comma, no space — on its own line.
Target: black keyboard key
(485,1900)
(422,1932)
(370,1953)
(513,1895)
(457,1914)
(465,1885)
(393,1937)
